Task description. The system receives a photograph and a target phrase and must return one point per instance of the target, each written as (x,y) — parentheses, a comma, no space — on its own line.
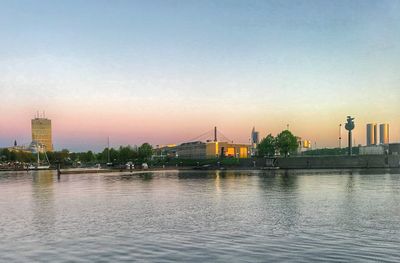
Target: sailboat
(38,166)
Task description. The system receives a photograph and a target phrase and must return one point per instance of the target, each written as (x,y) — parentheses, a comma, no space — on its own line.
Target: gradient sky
(167,71)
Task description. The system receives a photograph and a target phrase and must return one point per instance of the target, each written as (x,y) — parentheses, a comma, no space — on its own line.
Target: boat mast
(108,149)
(38,155)
(47,158)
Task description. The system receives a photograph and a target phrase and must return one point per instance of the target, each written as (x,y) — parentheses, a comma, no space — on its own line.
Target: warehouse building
(213,149)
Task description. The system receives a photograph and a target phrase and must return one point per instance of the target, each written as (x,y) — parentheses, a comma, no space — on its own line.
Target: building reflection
(43,201)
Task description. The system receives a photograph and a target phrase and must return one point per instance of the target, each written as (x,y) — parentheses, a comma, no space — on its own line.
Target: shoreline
(367,162)
(77,171)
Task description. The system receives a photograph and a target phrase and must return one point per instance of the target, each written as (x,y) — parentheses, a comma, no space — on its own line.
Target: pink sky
(86,125)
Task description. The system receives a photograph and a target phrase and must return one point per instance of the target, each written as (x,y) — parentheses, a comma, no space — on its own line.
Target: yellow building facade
(226,149)
(210,150)
(42,134)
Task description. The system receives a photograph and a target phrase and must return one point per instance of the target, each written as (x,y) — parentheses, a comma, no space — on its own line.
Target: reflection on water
(201,216)
(43,202)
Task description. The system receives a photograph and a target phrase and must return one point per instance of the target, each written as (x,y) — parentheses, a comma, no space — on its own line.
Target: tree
(286,143)
(114,155)
(267,146)
(127,154)
(145,151)
(87,157)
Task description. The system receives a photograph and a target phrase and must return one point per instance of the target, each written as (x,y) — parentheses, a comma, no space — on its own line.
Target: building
(394,148)
(41,133)
(165,151)
(372,150)
(19,149)
(212,149)
(307,144)
(372,134)
(192,150)
(391,149)
(384,133)
(255,140)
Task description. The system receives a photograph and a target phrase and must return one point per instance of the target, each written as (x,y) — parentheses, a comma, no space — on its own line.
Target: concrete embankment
(336,162)
(295,162)
(102,171)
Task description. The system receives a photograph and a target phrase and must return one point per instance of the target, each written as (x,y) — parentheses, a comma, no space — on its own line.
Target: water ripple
(200,217)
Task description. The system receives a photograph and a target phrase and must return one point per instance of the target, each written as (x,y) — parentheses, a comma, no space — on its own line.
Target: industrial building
(213,149)
(372,150)
(41,133)
(208,149)
(394,148)
(391,149)
(384,133)
(372,134)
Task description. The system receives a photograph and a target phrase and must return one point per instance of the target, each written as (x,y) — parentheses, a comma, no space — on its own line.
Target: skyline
(164,72)
(123,141)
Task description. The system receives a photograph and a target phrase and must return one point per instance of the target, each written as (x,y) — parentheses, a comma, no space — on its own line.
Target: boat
(203,167)
(38,166)
(270,168)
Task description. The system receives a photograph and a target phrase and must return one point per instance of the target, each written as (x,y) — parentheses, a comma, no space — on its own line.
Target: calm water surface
(242,216)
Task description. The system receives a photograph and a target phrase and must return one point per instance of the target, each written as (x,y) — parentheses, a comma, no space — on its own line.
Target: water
(242,216)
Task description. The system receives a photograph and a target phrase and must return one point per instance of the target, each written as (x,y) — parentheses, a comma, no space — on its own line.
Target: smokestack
(215,134)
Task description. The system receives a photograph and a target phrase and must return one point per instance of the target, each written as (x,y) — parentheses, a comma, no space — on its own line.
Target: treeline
(16,156)
(284,143)
(121,155)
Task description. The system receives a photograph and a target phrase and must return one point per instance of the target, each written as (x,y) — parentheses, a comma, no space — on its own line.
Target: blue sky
(262,63)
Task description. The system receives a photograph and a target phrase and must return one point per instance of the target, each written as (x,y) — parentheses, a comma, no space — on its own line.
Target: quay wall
(330,162)
(310,162)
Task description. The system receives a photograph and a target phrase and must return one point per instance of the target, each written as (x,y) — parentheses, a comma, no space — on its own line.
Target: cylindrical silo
(371,134)
(384,133)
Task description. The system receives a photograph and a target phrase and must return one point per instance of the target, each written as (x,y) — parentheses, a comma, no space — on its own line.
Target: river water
(215,216)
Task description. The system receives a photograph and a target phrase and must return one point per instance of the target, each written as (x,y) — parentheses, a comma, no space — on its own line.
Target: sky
(166,71)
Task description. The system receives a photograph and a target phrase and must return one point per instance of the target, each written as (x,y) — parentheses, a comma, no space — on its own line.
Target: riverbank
(294,162)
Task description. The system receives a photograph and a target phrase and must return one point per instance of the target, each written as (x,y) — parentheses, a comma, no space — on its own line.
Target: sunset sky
(166,71)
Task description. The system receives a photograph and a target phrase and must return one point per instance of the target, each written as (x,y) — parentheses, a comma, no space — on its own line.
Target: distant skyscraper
(41,132)
(255,140)
(255,136)
(372,134)
(384,133)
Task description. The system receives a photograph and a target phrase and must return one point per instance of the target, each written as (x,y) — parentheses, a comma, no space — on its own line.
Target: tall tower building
(255,137)
(41,132)
(384,133)
(372,134)
(255,140)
